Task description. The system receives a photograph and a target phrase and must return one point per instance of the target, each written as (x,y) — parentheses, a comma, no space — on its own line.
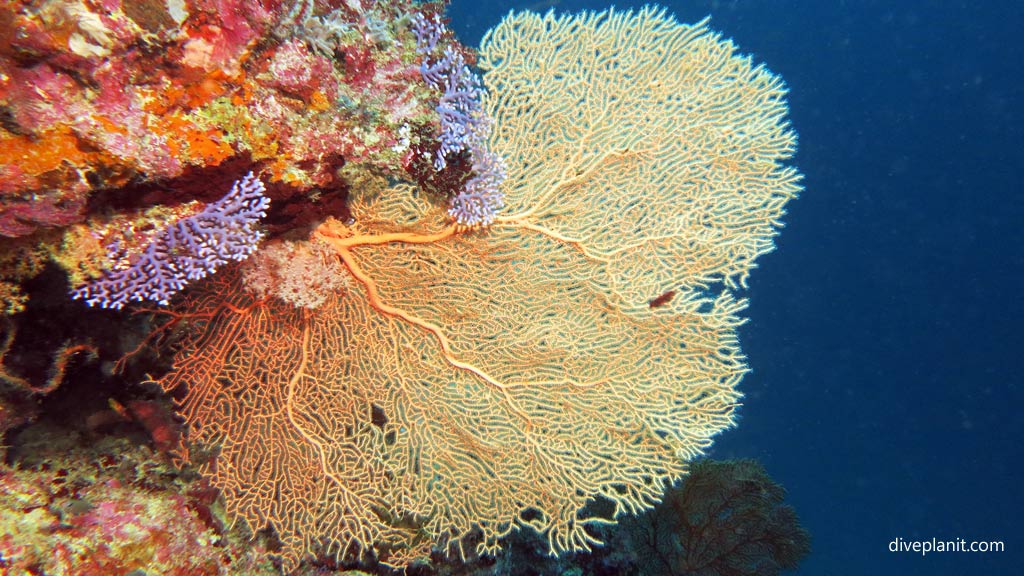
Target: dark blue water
(885,331)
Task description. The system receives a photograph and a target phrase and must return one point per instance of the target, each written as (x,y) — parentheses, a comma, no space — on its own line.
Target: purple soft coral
(428,33)
(464,126)
(459,105)
(479,202)
(187,250)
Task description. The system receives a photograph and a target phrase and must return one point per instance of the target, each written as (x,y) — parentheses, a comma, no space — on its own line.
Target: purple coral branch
(464,126)
(459,105)
(479,202)
(427,32)
(186,250)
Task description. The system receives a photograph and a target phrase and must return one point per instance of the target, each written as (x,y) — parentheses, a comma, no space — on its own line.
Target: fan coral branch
(343,242)
(727,518)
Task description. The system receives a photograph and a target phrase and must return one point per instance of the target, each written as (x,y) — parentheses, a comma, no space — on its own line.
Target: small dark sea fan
(725,519)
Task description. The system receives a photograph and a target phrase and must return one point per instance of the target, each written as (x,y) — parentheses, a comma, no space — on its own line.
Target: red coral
(359,66)
(297,71)
(158,420)
(20,217)
(222,31)
(41,96)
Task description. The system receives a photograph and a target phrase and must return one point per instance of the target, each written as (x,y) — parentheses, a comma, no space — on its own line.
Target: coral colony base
(435,307)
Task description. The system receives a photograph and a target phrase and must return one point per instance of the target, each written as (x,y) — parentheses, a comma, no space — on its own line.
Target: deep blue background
(885,331)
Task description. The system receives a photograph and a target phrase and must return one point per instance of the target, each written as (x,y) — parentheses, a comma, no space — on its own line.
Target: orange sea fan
(476,382)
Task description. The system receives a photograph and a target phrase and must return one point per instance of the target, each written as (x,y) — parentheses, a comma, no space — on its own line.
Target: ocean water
(885,331)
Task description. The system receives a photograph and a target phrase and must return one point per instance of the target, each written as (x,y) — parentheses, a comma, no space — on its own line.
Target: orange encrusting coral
(47,152)
(187,141)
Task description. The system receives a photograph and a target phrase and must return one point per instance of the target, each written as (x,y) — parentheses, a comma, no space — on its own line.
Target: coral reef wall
(119,118)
